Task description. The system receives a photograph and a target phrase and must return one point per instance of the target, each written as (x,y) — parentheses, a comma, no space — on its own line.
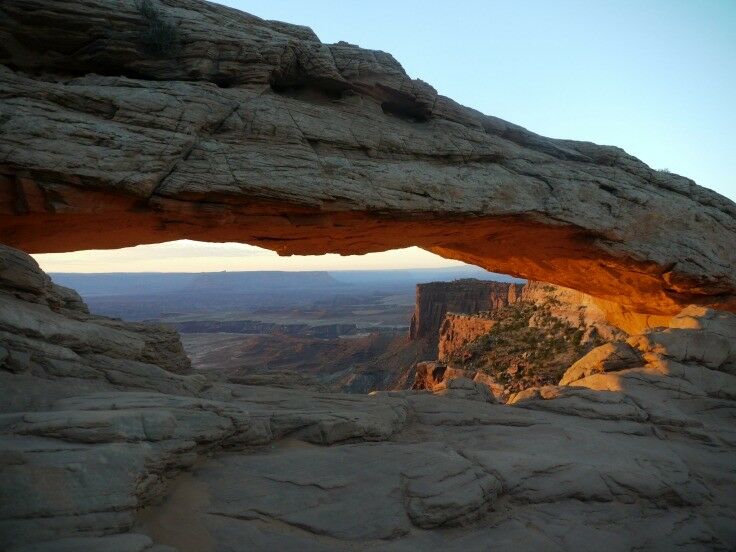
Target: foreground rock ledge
(107,443)
(254,131)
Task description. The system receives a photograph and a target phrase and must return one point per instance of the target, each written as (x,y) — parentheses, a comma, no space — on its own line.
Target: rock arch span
(254,131)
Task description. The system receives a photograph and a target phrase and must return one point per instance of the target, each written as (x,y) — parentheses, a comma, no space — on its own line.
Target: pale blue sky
(655,77)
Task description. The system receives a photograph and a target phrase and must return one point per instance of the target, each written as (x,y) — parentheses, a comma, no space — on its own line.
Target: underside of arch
(259,133)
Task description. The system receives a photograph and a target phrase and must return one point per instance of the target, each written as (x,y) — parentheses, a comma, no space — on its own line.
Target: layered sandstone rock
(238,129)
(527,339)
(610,357)
(458,330)
(235,128)
(581,310)
(47,332)
(107,451)
(434,300)
(436,376)
(464,388)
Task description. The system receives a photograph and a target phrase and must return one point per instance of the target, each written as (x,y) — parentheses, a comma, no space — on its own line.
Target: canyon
(434,300)
(506,336)
(128,122)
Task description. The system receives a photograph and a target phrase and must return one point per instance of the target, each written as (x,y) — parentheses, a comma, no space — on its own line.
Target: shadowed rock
(114,452)
(241,129)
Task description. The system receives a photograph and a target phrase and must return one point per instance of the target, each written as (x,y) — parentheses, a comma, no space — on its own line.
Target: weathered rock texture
(435,299)
(511,336)
(580,309)
(103,451)
(38,314)
(610,357)
(234,128)
(436,376)
(573,308)
(458,330)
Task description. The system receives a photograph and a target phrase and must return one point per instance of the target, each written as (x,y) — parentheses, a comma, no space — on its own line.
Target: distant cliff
(324,331)
(436,299)
(509,336)
(458,330)
(274,280)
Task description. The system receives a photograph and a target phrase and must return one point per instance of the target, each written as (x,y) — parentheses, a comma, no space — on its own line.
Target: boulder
(606,358)
(696,334)
(445,380)
(464,388)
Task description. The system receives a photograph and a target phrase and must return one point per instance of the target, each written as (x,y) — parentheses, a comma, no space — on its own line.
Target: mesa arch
(254,131)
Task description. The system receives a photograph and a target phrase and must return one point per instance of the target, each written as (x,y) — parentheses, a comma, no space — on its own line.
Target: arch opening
(244,313)
(637,293)
(355,323)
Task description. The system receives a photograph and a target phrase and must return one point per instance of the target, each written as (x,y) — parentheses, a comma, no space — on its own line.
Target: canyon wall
(506,336)
(458,330)
(434,300)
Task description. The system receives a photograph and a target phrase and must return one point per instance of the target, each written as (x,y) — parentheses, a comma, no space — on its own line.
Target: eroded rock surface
(240,129)
(435,300)
(457,331)
(115,452)
(606,358)
(526,336)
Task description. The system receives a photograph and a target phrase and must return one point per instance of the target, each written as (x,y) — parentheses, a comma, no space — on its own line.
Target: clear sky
(655,77)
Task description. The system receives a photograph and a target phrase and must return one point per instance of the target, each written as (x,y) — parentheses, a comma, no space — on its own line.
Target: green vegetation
(527,346)
(159,36)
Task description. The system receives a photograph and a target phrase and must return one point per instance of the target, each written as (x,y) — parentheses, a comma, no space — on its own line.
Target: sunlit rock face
(435,300)
(458,330)
(509,337)
(239,129)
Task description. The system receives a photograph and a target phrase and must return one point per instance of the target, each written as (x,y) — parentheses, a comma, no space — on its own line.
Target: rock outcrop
(47,331)
(610,357)
(108,452)
(570,307)
(581,310)
(464,388)
(127,122)
(435,299)
(436,376)
(527,339)
(458,330)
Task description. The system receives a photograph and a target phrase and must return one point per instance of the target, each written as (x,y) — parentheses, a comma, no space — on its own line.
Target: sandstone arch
(254,131)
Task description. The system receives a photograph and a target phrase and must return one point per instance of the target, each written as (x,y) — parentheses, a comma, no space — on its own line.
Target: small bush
(160,36)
